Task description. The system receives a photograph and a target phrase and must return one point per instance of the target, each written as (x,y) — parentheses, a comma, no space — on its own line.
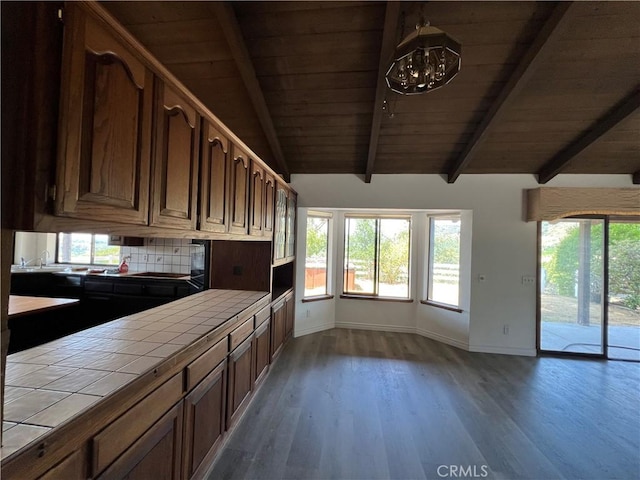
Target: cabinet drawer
(124,431)
(201,366)
(239,334)
(262,316)
(102,287)
(74,466)
(160,290)
(128,288)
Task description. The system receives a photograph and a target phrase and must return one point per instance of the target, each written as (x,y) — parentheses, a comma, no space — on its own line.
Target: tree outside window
(377,256)
(444,260)
(87,248)
(317,256)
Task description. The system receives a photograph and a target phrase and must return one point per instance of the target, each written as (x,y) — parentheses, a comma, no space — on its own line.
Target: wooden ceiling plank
(619,112)
(231,28)
(389,41)
(529,63)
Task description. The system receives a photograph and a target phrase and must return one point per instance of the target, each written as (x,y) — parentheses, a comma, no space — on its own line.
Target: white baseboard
(443,339)
(375,327)
(299,332)
(525,352)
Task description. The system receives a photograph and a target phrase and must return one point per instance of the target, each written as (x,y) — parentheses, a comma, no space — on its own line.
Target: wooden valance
(553,203)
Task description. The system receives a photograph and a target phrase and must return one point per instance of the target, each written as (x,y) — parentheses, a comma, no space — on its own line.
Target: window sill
(377,299)
(444,306)
(316,299)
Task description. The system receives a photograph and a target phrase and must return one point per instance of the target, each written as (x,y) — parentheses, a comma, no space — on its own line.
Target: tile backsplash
(172,255)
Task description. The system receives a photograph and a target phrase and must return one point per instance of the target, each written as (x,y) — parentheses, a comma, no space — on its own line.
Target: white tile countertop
(52,383)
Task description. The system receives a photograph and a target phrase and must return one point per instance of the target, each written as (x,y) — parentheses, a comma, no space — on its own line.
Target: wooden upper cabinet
(239,194)
(175,160)
(292,202)
(257,209)
(104,143)
(280,225)
(269,205)
(214,187)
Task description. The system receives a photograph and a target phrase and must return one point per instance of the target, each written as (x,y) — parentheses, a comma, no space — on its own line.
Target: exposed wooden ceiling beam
(529,63)
(233,34)
(636,178)
(619,112)
(389,42)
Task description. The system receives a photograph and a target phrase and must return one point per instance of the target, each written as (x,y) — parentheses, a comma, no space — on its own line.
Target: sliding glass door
(590,287)
(624,290)
(571,286)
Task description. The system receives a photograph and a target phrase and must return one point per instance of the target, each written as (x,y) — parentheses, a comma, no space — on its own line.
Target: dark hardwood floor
(353,404)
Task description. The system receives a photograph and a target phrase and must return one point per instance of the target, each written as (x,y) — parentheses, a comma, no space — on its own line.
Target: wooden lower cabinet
(289,304)
(204,422)
(75,465)
(240,380)
(278,320)
(262,355)
(157,454)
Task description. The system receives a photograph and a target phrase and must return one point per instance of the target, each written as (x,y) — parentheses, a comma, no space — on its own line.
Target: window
(444,260)
(316,267)
(376,259)
(87,248)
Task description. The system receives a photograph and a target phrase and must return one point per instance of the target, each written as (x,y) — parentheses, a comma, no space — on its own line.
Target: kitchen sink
(43,269)
(159,274)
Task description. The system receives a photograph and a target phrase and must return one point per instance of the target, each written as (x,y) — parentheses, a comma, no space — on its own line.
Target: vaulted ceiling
(544,88)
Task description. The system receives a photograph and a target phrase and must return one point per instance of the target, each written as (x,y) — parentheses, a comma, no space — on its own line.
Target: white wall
(31,245)
(311,316)
(503,250)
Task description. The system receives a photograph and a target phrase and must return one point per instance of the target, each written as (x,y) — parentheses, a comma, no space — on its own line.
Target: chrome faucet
(25,263)
(43,258)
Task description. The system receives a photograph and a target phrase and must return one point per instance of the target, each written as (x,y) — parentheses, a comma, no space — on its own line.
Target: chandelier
(425,60)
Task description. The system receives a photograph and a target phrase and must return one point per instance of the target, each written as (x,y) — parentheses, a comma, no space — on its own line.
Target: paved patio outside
(624,341)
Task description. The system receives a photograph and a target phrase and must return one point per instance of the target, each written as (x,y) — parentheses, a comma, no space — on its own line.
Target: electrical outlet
(528,280)
(505,330)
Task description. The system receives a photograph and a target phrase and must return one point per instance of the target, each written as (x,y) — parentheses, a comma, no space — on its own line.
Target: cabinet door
(289,304)
(280,227)
(291,225)
(157,454)
(269,205)
(239,197)
(257,199)
(175,160)
(277,328)
(240,380)
(204,420)
(105,125)
(262,343)
(214,197)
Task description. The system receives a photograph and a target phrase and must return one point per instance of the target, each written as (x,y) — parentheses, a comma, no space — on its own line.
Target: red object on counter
(123,268)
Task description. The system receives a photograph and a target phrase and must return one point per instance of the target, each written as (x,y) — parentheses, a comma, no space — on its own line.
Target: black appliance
(200,264)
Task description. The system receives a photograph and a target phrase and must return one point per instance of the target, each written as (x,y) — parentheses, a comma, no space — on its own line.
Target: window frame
(91,252)
(430,261)
(329,263)
(376,295)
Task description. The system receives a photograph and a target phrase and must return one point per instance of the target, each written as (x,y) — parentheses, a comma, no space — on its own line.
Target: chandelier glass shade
(425,60)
